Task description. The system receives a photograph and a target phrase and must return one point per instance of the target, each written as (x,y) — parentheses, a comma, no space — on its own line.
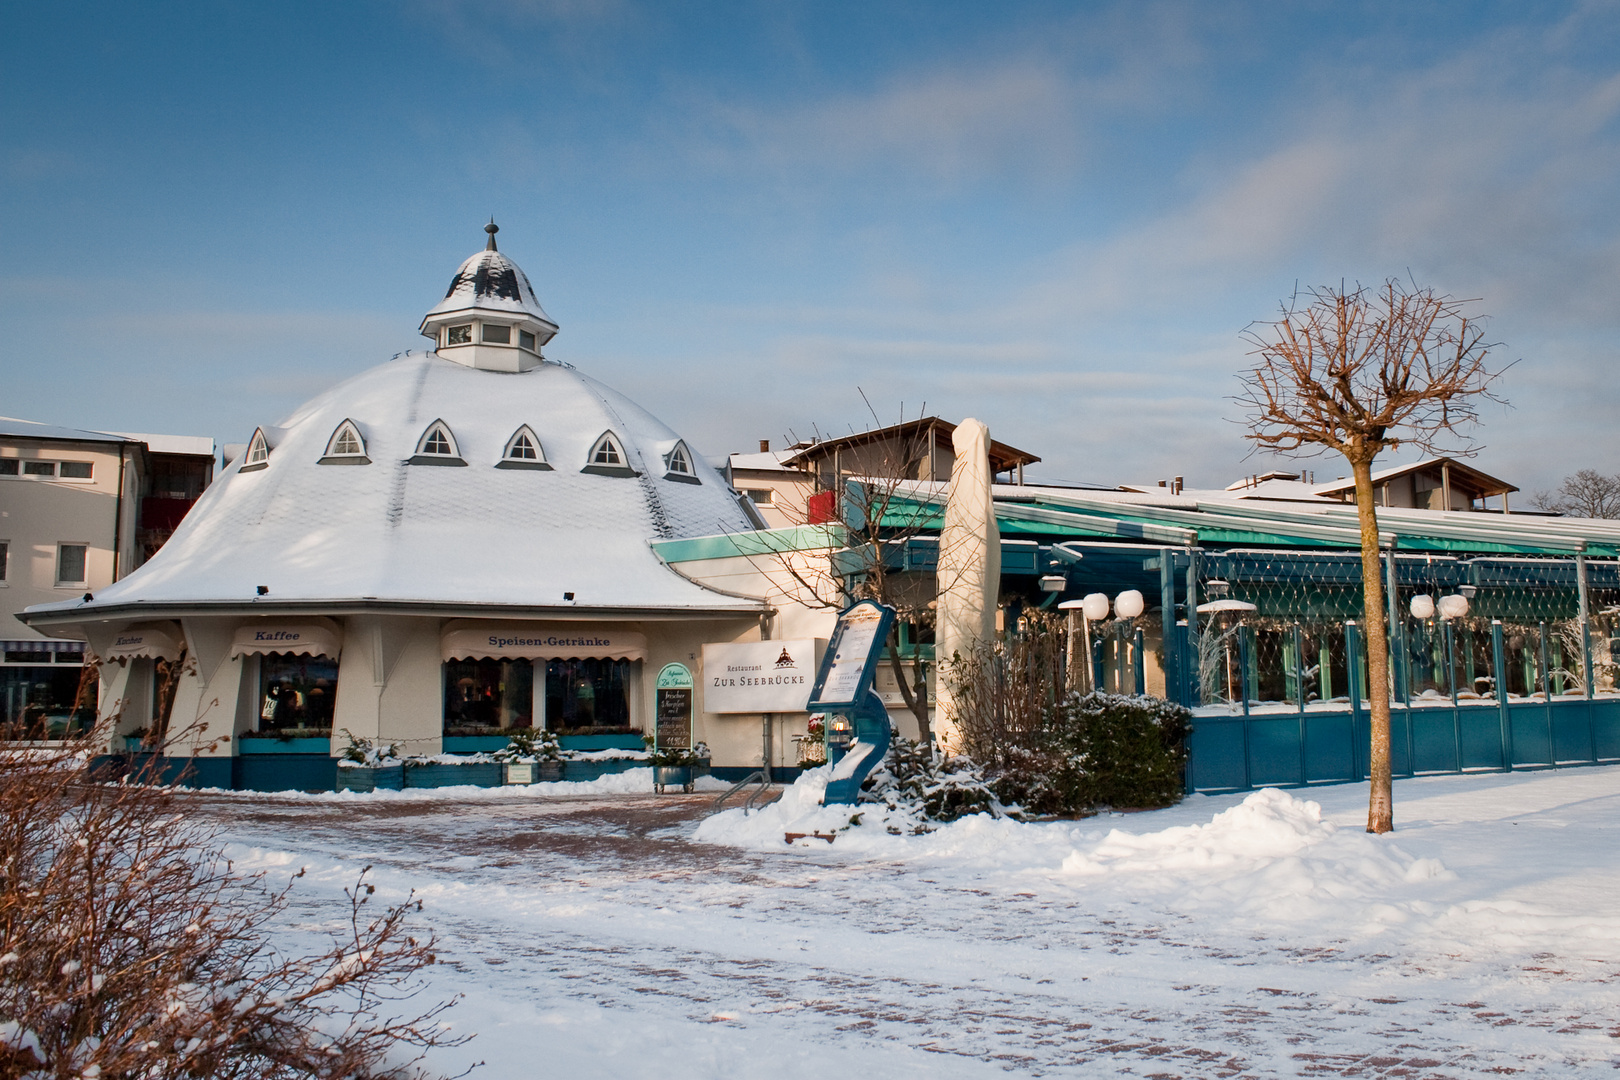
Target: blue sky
(1055,217)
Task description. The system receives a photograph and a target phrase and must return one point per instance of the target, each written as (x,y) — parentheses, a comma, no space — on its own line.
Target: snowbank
(1271,854)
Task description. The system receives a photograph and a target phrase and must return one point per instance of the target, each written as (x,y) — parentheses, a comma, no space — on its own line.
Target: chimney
(764,446)
(1178,485)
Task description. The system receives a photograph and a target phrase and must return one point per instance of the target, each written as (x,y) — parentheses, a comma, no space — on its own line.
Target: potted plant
(678,766)
(365,766)
(531,756)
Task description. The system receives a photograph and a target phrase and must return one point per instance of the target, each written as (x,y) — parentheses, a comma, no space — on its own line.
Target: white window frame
(538,462)
(611,440)
(258,443)
(76,479)
(334,456)
(680,454)
(457,344)
(57,571)
(424,456)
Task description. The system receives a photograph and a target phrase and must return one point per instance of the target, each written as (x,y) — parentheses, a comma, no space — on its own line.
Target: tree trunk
(1381,797)
(917,703)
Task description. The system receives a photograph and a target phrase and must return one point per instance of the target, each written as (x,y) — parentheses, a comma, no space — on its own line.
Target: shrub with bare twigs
(131,948)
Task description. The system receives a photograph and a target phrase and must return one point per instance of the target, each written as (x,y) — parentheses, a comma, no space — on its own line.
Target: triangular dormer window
(607,457)
(258,453)
(678,465)
(523,451)
(346,446)
(437,446)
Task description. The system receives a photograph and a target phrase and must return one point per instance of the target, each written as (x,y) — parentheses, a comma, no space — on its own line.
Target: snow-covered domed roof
(323,519)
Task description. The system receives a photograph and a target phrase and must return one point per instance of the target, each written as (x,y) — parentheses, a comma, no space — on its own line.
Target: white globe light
(1453,606)
(1095,606)
(1129,604)
(1422,606)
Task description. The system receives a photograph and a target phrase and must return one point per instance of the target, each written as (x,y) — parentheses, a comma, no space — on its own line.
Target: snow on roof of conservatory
(386,526)
(489,281)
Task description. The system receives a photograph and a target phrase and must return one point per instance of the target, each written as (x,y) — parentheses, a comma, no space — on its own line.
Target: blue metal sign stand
(844,688)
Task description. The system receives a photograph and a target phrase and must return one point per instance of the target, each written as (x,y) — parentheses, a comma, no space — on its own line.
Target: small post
(1586,624)
(1499,679)
(1137,662)
(1299,694)
(1546,692)
(1195,677)
(1352,675)
(1167,624)
(1243,669)
(765,760)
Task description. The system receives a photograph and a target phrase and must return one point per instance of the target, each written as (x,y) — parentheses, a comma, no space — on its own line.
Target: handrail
(757,774)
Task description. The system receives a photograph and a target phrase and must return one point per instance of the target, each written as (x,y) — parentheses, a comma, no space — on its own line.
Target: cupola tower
(490,319)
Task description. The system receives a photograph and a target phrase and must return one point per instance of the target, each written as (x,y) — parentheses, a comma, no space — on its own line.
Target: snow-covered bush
(1099,750)
(364,752)
(932,789)
(530,745)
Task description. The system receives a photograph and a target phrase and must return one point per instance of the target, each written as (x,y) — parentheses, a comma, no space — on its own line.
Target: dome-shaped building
(452,542)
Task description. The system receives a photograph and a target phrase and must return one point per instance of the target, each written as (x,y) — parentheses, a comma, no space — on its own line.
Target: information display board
(852,657)
(673,709)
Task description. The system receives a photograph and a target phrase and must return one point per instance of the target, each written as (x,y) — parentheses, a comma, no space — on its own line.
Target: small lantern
(840,733)
(1095,606)
(1422,606)
(1129,604)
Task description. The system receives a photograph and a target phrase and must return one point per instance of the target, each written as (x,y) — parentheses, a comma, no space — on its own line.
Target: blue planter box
(284,746)
(479,774)
(365,778)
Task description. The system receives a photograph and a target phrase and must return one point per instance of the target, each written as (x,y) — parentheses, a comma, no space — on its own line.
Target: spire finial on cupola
(492,229)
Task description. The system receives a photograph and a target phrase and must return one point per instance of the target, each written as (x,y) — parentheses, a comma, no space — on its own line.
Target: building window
(346,446)
(607,457)
(497,335)
(5,556)
(8,466)
(39,702)
(39,468)
(296,692)
(458,335)
(76,470)
(437,446)
(526,340)
(258,452)
(70,563)
(678,465)
(523,451)
(488,695)
(587,694)
(761,496)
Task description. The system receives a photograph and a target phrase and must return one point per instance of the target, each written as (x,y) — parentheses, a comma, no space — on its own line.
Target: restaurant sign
(674,708)
(758,676)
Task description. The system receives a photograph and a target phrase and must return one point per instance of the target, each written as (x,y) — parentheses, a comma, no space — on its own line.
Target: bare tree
(1360,371)
(880,510)
(1588,494)
(130,947)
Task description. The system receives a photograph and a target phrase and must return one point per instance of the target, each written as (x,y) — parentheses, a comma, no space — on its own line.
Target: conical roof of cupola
(488,281)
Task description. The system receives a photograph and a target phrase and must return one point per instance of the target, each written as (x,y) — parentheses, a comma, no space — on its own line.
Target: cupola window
(678,465)
(497,334)
(437,447)
(523,451)
(526,341)
(258,453)
(607,457)
(458,335)
(346,446)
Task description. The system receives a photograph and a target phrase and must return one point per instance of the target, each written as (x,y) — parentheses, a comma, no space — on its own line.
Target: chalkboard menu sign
(674,708)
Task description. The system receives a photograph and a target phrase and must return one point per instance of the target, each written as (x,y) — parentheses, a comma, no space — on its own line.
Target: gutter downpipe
(118,513)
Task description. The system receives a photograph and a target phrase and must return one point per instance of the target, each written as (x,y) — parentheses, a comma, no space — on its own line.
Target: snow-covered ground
(620,935)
